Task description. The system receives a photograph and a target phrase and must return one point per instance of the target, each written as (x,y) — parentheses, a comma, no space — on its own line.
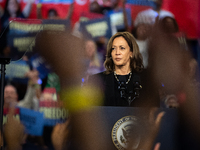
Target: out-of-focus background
(33,85)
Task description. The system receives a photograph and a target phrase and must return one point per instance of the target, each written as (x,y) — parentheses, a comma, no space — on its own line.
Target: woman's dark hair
(164,26)
(6,9)
(134,31)
(53,11)
(136,63)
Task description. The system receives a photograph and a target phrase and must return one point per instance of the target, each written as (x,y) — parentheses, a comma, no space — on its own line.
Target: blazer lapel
(109,85)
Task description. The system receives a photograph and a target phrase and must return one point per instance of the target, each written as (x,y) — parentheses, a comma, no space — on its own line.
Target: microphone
(129,94)
(136,85)
(122,86)
(136,88)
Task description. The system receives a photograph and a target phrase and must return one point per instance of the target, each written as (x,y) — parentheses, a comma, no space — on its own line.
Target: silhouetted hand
(152,129)
(64,52)
(14,133)
(59,135)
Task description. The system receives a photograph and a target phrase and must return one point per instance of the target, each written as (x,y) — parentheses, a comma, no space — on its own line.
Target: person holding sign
(12,11)
(92,58)
(149,15)
(53,13)
(14,134)
(33,90)
(124,68)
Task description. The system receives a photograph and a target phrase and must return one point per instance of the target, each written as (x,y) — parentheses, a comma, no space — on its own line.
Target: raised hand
(60,135)
(14,133)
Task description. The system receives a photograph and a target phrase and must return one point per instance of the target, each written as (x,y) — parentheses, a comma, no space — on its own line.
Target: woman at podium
(125,81)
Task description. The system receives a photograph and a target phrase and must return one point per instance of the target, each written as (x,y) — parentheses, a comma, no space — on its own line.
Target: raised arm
(27,9)
(33,90)
(39,11)
(70,10)
(127,28)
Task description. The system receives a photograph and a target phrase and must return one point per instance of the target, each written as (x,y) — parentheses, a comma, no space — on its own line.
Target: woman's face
(12,7)
(121,53)
(90,48)
(95,7)
(170,25)
(52,15)
(142,31)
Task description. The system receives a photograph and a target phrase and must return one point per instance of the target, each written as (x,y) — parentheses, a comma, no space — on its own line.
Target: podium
(117,124)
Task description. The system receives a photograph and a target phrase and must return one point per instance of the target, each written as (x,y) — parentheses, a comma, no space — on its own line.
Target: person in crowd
(123,81)
(13,133)
(106,8)
(60,135)
(11,102)
(15,136)
(170,26)
(171,100)
(11,11)
(96,8)
(34,95)
(33,90)
(94,59)
(116,7)
(141,34)
(101,46)
(53,13)
(170,65)
(149,15)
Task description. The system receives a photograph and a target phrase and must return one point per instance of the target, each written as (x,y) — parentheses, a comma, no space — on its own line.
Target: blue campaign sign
(141,2)
(117,18)
(32,120)
(56,1)
(97,28)
(56,24)
(19,45)
(52,122)
(16,71)
(22,34)
(53,115)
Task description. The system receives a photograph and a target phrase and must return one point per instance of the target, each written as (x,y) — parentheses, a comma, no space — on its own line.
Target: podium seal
(125,133)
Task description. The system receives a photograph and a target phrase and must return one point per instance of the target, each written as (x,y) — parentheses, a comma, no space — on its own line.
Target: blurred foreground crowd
(74,56)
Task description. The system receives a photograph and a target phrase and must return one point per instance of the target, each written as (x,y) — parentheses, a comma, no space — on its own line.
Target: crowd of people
(147,64)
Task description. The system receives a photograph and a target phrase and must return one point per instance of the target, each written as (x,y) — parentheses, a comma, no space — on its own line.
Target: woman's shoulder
(98,76)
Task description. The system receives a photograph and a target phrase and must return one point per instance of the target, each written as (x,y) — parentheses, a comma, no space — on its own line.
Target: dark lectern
(119,121)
